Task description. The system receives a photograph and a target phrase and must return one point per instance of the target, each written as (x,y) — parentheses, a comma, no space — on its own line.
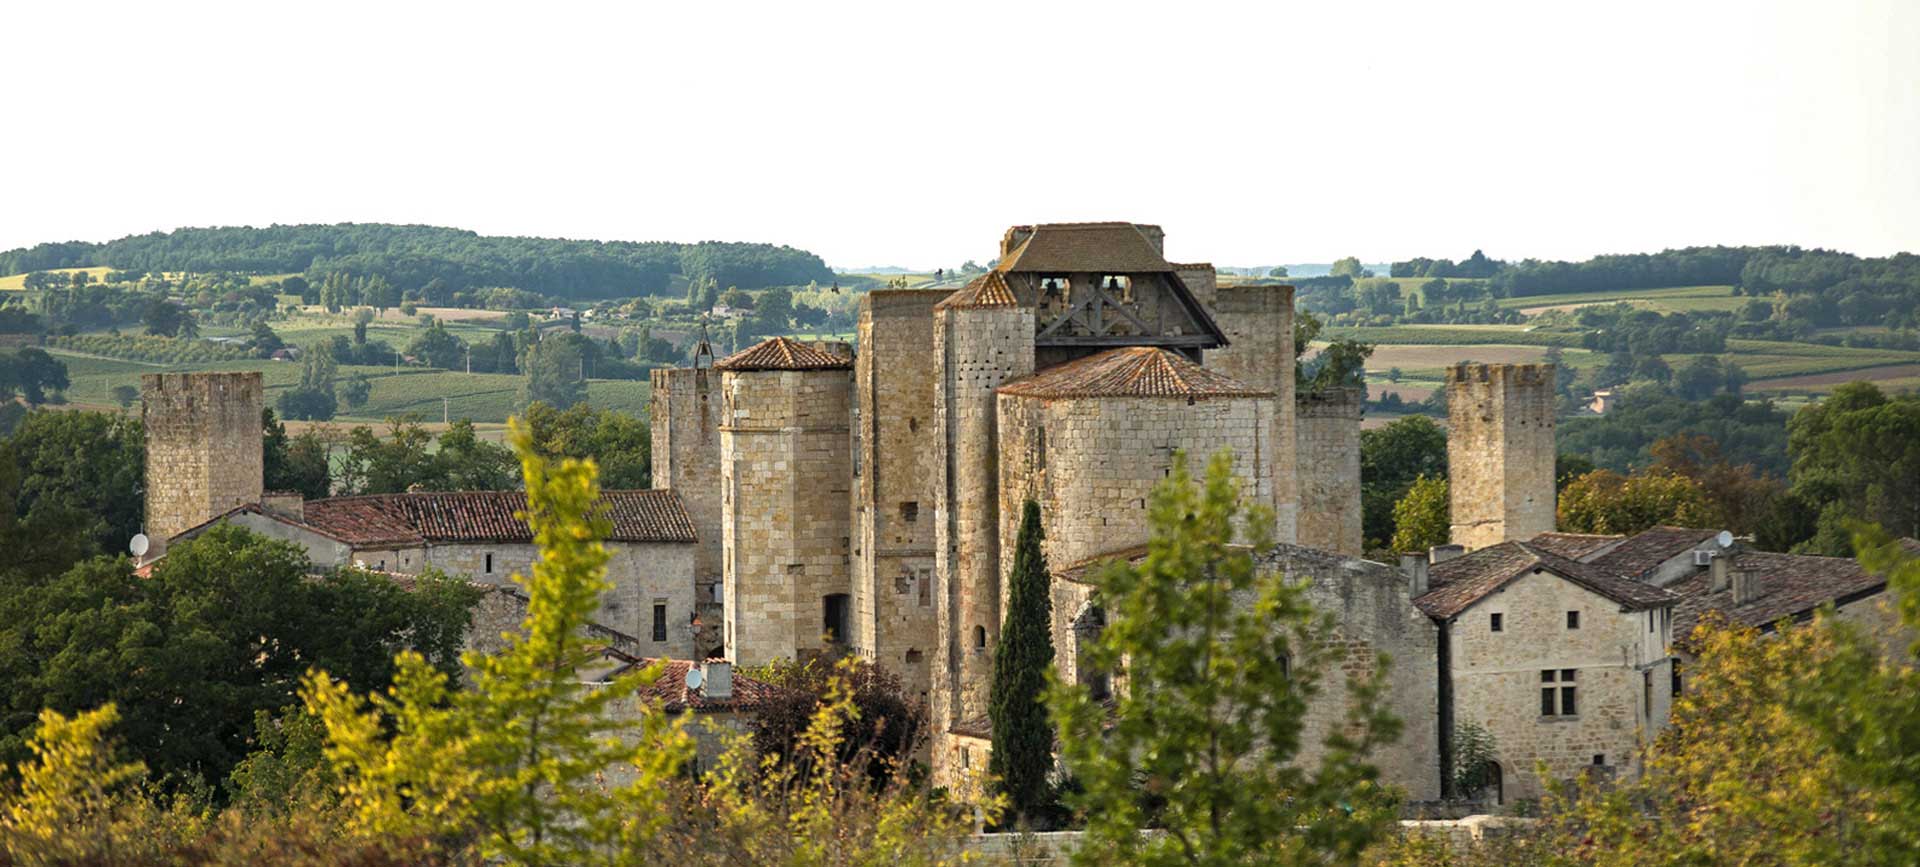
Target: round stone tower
(204,453)
(785,471)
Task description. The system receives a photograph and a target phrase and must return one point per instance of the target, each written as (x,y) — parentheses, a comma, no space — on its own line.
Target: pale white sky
(913,133)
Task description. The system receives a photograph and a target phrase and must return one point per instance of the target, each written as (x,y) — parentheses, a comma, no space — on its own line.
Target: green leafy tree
(32,373)
(555,373)
(1349,267)
(1392,457)
(355,390)
(294,463)
(517,758)
(1220,660)
(74,478)
(1422,518)
(1604,501)
(439,348)
(621,445)
(1022,736)
(1340,364)
(164,318)
(1858,452)
(125,395)
(469,463)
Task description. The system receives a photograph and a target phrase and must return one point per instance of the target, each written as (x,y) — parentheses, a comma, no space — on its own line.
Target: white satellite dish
(695,677)
(1725,539)
(139,545)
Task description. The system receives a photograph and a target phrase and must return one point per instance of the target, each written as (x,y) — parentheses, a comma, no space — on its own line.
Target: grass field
(1672,300)
(1456,335)
(18,282)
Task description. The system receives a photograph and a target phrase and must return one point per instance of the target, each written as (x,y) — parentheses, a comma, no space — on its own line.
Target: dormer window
(1120,286)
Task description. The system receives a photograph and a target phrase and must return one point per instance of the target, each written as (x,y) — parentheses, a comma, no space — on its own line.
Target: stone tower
(203,448)
(1500,452)
(983,336)
(1328,456)
(685,411)
(1258,320)
(785,471)
(896,441)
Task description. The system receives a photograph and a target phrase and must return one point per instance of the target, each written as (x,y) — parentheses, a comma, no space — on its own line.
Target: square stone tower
(685,410)
(204,453)
(1328,458)
(1258,320)
(1500,452)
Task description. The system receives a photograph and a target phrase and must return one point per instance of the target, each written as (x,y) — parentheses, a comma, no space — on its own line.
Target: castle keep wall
(1092,462)
(685,413)
(977,349)
(896,476)
(785,476)
(1328,460)
(1258,322)
(1500,452)
(204,452)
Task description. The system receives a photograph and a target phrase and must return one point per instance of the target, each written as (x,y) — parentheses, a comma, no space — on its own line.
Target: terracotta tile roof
(485,516)
(1574,546)
(670,690)
(1788,585)
(782,353)
(1130,371)
(1459,583)
(1644,551)
(975,727)
(987,290)
(1061,248)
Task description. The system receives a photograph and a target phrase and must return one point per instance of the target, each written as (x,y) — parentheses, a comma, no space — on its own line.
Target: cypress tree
(1022,734)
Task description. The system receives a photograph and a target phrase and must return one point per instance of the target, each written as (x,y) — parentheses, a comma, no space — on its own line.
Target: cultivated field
(18,282)
(1671,300)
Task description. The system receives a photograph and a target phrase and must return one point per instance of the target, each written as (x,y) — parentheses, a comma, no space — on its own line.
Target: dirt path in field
(1823,380)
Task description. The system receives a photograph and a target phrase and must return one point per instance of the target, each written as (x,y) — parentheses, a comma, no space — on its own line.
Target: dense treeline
(411,257)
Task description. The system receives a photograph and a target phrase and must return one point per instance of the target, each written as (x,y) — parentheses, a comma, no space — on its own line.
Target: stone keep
(980,345)
(204,453)
(685,412)
(785,470)
(895,472)
(1500,452)
(1259,322)
(1328,456)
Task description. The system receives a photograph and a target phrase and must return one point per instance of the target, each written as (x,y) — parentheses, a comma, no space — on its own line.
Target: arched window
(979,638)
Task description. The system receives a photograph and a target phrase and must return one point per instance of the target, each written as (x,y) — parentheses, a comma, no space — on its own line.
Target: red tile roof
(485,516)
(1573,546)
(783,353)
(1063,248)
(1788,585)
(987,290)
(670,690)
(1644,551)
(1463,581)
(1130,371)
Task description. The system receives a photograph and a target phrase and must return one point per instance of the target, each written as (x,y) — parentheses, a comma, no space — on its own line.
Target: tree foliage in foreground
(1220,660)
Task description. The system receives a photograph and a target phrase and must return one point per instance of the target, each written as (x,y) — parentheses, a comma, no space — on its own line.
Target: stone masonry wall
(685,410)
(977,350)
(1621,678)
(1258,322)
(1500,452)
(785,476)
(204,452)
(896,475)
(1328,456)
(1092,462)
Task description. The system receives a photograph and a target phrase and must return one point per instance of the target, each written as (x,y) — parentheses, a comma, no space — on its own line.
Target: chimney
(290,505)
(1414,565)
(1442,553)
(1746,586)
(717,678)
(1719,569)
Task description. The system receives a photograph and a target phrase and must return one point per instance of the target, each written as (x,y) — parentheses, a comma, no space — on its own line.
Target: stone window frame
(1573,619)
(489,563)
(659,620)
(1495,621)
(1559,696)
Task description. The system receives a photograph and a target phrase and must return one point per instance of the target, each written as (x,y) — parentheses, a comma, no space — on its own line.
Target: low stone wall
(1055,847)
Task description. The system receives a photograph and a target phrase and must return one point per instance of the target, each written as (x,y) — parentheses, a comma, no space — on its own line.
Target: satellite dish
(1725,539)
(695,677)
(139,545)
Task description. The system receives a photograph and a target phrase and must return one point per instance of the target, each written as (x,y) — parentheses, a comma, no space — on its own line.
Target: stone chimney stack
(716,678)
(1414,565)
(1746,586)
(286,504)
(1442,553)
(1720,572)
(1500,452)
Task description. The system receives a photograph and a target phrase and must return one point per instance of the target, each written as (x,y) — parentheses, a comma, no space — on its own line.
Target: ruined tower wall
(1500,452)
(977,348)
(685,410)
(1258,322)
(204,453)
(896,478)
(1328,455)
(785,471)
(1201,281)
(1091,463)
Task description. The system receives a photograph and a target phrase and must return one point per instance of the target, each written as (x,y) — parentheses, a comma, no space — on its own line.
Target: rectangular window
(1676,677)
(1557,692)
(1494,621)
(659,622)
(909,512)
(1573,620)
(489,564)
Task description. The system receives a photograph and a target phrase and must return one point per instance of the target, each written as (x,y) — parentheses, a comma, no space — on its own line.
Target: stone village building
(819,499)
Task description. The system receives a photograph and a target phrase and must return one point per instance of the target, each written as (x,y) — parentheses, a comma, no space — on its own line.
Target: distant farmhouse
(820,499)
